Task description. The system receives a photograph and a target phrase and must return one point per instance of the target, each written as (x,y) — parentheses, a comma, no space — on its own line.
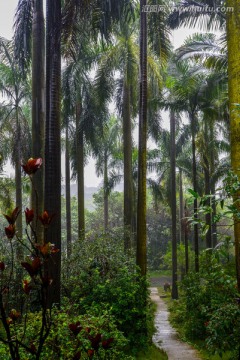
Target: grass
(152,353)
(158,273)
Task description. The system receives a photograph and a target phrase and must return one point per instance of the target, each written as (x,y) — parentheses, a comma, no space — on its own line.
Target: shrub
(103,277)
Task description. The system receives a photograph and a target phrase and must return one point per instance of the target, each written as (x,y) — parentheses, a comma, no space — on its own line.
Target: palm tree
(233,33)
(29,48)
(104,150)
(52,196)
(229,22)
(142,148)
(38,104)
(16,90)
(173,206)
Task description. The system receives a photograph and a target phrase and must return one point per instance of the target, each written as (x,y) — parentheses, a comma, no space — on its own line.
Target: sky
(7,10)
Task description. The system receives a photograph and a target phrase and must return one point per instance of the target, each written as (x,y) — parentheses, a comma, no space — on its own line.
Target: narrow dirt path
(166,337)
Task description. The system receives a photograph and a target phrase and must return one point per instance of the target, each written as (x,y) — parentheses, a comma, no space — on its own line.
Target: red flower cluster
(2,266)
(47,249)
(32,165)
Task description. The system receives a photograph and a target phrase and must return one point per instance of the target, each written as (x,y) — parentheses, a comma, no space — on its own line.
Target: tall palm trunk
(173,207)
(233,35)
(208,217)
(68,193)
(127,154)
(52,198)
(18,185)
(80,172)
(105,181)
(38,106)
(142,148)
(181,209)
(186,239)
(194,172)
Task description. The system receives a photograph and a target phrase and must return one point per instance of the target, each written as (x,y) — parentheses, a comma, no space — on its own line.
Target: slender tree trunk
(142,148)
(52,199)
(181,207)
(105,181)
(186,239)
(18,185)
(68,194)
(194,172)
(127,155)
(80,172)
(208,203)
(38,108)
(233,35)
(173,207)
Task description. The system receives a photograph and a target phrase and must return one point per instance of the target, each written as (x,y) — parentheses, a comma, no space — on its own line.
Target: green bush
(103,277)
(95,337)
(208,308)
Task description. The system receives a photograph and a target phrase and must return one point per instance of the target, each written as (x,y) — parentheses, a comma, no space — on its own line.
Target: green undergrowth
(152,353)
(175,308)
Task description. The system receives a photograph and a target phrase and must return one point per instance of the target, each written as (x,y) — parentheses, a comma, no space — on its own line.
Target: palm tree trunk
(142,148)
(52,198)
(18,185)
(38,107)
(186,239)
(105,181)
(194,172)
(127,154)
(208,202)
(80,172)
(68,194)
(173,207)
(233,35)
(181,210)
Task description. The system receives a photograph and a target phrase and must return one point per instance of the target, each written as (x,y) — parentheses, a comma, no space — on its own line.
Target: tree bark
(80,172)
(52,198)
(173,207)
(68,194)
(194,172)
(142,148)
(233,44)
(105,181)
(127,155)
(38,108)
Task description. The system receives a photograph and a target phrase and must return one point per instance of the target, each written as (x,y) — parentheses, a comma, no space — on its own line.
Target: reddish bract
(90,353)
(11,218)
(2,266)
(10,231)
(47,249)
(107,343)
(29,215)
(26,287)
(14,314)
(95,341)
(32,165)
(32,267)
(46,219)
(75,328)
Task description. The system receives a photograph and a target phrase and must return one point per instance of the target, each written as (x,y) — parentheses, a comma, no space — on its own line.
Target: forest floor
(166,337)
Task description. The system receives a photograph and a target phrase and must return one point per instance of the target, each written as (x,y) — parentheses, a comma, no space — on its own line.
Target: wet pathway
(166,337)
